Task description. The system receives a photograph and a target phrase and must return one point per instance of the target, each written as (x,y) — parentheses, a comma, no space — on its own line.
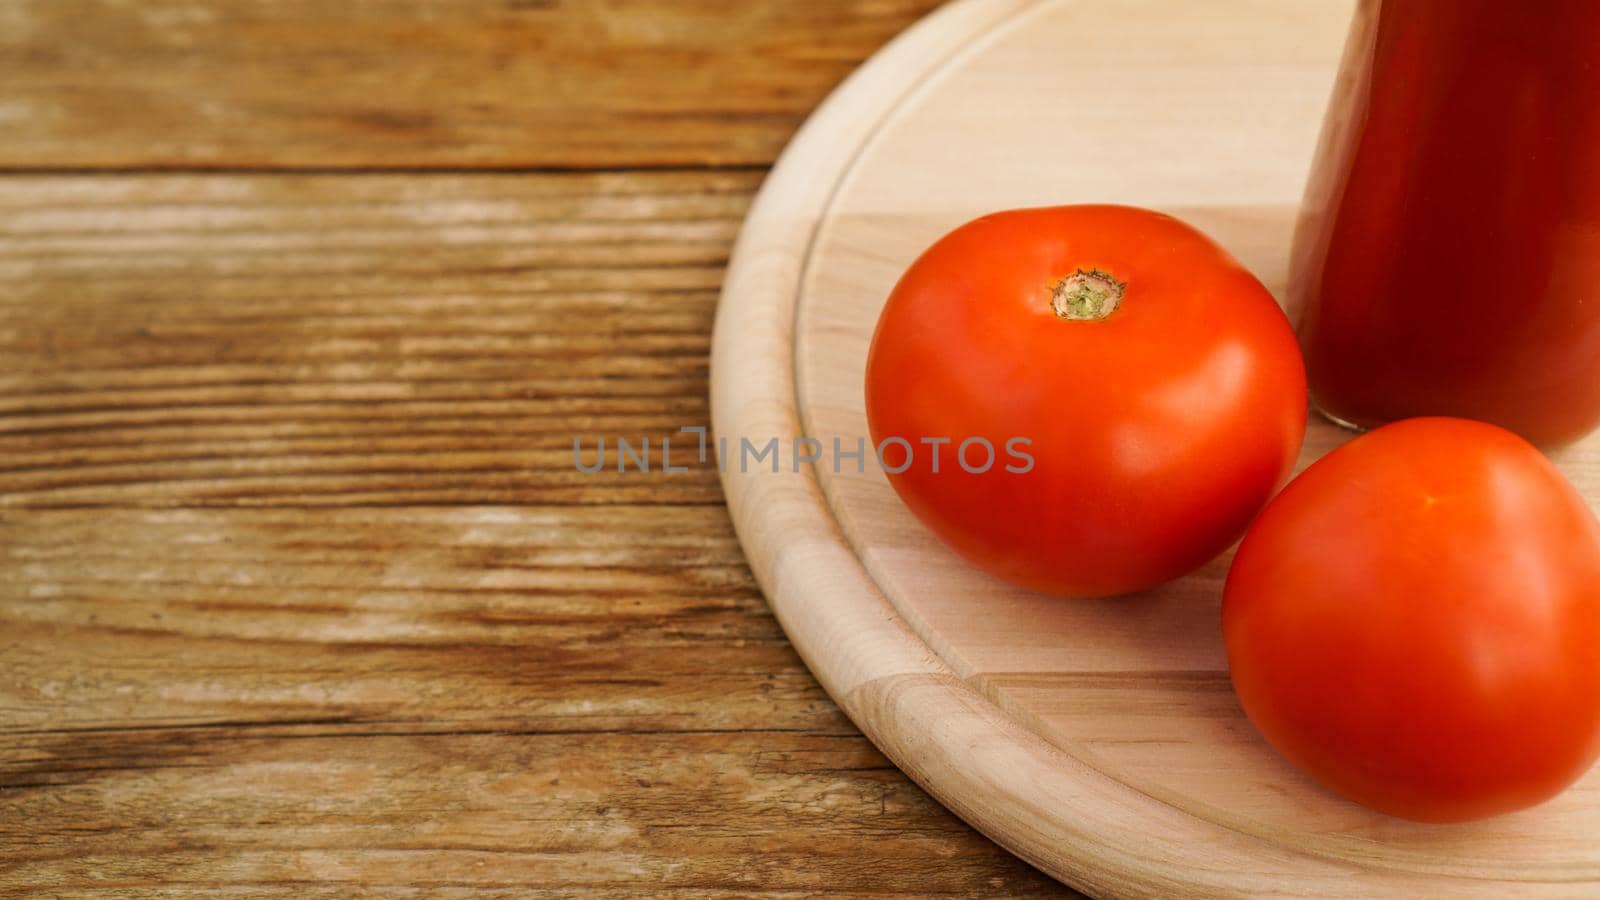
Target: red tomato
(1145,384)
(1415,621)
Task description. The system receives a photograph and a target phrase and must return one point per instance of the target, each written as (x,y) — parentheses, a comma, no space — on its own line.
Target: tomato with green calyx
(1153,385)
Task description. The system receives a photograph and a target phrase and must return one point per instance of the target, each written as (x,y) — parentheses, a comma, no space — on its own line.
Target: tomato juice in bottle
(1448,258)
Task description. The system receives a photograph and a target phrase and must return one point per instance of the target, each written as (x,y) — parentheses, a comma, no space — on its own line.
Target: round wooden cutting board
(1100,740)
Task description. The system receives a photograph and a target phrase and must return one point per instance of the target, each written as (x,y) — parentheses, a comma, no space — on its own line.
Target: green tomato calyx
(1087,295)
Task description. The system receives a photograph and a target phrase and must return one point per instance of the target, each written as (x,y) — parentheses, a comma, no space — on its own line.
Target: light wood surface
(1098,739)
(302,594)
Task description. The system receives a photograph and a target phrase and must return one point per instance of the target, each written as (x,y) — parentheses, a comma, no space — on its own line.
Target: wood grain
(422,83)
(561,698)
(315,340)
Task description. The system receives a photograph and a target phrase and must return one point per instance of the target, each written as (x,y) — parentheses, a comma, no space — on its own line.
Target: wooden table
(303,305)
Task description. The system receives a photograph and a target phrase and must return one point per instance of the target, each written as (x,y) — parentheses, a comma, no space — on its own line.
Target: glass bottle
(1448,257)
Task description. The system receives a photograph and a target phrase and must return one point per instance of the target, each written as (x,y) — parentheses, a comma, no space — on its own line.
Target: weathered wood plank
(508,595)
(747,812)
(345,614)
(267,340)
(422,83)
(560,698)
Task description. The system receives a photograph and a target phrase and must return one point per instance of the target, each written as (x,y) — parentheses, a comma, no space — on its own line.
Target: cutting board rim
(1047,806)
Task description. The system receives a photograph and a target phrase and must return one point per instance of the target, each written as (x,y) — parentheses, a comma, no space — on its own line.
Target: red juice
(1448,262)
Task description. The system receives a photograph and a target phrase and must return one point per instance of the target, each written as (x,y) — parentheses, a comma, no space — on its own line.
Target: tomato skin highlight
(1157,432)
(1415,622)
